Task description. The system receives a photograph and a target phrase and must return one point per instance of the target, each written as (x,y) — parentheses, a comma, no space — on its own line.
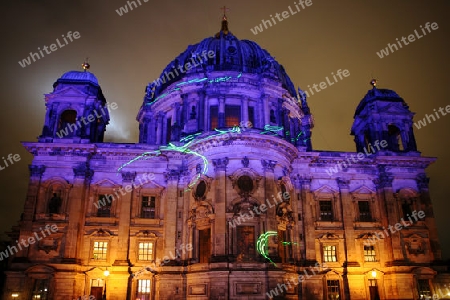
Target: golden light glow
(15,295)
(106,273)
(374,274)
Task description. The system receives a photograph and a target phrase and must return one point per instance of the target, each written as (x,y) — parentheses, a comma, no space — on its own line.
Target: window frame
(155,208)
(92,258)
(326,213)
(335,288)
(34,292)
(325,253)
(100,209)
(370,253)
(138,248)
(144,295)
(232,112)
(213,117)
(368,215)
(419,288)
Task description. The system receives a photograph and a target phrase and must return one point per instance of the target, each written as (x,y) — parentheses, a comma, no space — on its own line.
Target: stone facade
(223,197)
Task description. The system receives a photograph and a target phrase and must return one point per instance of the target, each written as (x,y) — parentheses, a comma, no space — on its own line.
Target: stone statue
(54,204)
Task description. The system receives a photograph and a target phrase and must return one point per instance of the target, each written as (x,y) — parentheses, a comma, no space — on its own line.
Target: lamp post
(106,274)
(373,288)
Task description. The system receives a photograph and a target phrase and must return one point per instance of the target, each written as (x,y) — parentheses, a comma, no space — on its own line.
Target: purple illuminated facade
(224,156)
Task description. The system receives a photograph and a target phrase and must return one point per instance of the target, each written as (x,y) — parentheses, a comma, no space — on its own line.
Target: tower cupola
(77,111)
(383,115)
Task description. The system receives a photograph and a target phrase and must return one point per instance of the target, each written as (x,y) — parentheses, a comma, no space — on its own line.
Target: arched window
(273,119)
(395,139)
(232,115)
(193,114)
(67,123)
(54,204)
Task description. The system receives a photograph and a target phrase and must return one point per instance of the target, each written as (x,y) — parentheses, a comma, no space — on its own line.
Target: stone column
(159,127)
(309,219)
(164,130)
(297,208)
(389,215)
(221,112)
(426,205)
(124,214)
(265,103)
(206,117)
(170,211)
(30,206)
(218,236)
(244,110)
(269,191)
(75,210)
(201,111)
(184,118)
(347,215)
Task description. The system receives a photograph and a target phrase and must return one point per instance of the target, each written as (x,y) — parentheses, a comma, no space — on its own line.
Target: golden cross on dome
(86,65)
(225,9)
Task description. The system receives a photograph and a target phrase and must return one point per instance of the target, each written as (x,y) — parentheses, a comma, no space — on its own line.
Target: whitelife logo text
(53,47)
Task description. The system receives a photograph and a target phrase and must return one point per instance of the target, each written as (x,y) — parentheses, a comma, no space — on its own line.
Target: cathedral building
(223,196)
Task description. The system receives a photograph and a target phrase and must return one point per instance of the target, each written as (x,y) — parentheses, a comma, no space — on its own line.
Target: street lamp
(106,273)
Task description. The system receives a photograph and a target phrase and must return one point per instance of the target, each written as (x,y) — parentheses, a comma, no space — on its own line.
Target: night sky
(129,51)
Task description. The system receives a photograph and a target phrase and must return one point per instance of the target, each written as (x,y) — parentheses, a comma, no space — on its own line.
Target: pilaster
(220,223)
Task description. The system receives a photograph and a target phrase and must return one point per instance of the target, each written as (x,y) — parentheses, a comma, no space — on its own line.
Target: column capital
(172,174)
(422,181)
(303,180)
(384,180)
(343,183)
(36,171)
(268,165)
(128,176)
(245,162)
(82,170)
(220,164)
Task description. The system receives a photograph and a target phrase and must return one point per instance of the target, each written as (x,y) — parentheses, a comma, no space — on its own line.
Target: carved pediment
(66,92)
(147,234)
(48,244)
(56,181)
(106,183)
(395,108)
(363,190)
(407,193)
(100,233)
(325,191)
(328,236)
(95,273)
(40,269)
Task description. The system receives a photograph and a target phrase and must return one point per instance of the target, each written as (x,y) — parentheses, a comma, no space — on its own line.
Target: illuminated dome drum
(219,83)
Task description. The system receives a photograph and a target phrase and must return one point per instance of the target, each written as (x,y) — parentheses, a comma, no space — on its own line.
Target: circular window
(201,189)
(245,183)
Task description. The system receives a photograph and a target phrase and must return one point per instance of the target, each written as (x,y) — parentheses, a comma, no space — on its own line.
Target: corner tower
(383,115)
(76,110)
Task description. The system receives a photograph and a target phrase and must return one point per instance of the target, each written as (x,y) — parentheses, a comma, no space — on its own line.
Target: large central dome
(223,82)
(229,54)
